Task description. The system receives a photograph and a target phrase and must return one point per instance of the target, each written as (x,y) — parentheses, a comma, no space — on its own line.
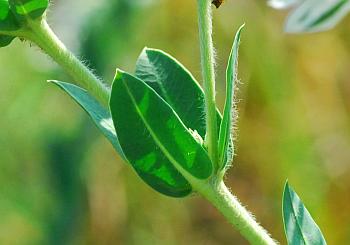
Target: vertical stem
(208,73)
(217,193)
(42,35)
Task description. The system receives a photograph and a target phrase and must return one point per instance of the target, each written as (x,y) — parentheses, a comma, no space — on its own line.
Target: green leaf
(28,8)
(154,140)
(299,226)
(8,21)
(5,40)
(175,84)
(99,115)
(225,137)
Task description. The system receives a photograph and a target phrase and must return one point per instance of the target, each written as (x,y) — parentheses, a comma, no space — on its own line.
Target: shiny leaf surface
(175,84)
(154,140)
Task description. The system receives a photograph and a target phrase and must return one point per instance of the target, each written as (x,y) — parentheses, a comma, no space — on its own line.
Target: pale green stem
(208,73)
(41,34)
(235,213)
(217,193)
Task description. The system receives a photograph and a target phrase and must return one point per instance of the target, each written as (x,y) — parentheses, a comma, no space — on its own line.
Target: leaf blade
(99,115)
(32,8)
(299,226)
(175,84)
(154,140)
(8,21)
(5,40)
(225,136)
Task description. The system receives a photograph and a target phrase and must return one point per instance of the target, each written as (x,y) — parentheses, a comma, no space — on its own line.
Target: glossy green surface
(226,127)
(299,226)
(99,115)
(153,138)
(175,84)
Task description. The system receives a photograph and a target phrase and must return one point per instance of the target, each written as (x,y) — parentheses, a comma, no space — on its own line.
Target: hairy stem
(235,213)
(208,73)
(41,34)
(217,193)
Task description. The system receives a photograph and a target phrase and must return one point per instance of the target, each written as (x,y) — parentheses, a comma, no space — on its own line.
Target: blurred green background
(62,183)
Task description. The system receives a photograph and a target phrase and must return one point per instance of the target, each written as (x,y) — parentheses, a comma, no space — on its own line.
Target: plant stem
(208,73)
(41,34)
(214,192)
(235,213)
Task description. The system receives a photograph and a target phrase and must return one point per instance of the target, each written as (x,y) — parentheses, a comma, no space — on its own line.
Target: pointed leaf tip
(99,115)
(299,226)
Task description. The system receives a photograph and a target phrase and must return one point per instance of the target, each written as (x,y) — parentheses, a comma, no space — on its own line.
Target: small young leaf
(225,137)
(153,138)
(299,226)
(28,8)
(99,115)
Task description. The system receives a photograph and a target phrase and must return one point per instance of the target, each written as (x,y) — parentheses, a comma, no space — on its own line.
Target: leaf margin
(225,132)
(288,192)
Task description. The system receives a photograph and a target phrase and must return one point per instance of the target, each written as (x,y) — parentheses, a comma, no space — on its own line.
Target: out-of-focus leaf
(31,8)
(317,15)
(225,137)
(99,115)
(8,21)
(154,140)
(299,226)
(314,15)
(282,4)
(5,40)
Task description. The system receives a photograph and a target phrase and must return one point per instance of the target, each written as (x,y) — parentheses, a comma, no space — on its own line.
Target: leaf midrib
(155,138)
(231,78)
(295,217)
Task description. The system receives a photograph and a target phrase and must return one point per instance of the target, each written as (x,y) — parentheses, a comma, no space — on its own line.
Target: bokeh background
(62,183)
